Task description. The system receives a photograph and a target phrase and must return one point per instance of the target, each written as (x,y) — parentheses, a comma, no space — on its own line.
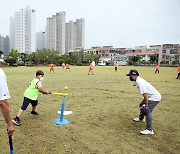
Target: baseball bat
(11,145)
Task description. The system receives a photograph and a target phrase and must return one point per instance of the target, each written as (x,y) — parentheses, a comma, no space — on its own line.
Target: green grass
(103,107)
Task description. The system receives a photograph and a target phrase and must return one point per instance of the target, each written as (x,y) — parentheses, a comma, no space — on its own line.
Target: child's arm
(43,91)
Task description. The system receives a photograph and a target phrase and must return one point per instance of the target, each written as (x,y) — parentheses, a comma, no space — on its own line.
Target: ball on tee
(66,88)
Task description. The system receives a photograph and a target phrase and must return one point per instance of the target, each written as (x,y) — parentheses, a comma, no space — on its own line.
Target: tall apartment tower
(22,30)
(75,35)
(40,40)
(69,36)
(55,33)
(78,33)
(5,45)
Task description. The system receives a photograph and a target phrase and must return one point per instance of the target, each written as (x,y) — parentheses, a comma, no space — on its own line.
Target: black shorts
(26,102)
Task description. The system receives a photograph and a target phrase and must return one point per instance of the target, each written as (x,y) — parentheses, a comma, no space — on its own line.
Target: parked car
(101,63)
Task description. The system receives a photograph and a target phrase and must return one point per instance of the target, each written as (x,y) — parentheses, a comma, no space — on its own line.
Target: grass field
(103,107)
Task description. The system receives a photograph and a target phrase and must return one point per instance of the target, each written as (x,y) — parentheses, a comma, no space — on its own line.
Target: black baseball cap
(133,72)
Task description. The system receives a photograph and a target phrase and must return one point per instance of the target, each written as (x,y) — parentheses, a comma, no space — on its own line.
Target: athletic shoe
(147,132)
(138,120)
(34,113)
(16,121)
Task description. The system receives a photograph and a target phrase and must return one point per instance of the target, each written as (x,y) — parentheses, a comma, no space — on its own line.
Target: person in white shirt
(4,105)
(151,97)
(93,64)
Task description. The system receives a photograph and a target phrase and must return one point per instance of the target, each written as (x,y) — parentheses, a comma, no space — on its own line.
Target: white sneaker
(138,120)
(147,132)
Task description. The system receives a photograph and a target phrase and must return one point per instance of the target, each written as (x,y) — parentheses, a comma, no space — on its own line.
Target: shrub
(20,64)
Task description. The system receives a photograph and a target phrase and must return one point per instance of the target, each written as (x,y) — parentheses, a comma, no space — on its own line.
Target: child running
(51,68)
(31,95)
(67,67)
(63,66)
(178,70)
(157,69)
(91,69)
(115,67)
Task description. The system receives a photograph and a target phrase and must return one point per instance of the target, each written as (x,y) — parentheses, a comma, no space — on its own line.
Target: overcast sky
(120,23)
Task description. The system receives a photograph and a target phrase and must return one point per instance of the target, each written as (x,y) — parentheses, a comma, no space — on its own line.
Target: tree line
(46,56)
(79,58)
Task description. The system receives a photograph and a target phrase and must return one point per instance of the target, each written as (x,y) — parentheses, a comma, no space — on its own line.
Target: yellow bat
(59,94)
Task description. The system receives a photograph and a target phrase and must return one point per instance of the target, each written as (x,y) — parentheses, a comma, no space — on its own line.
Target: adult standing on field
(178,70)
(31,96)
(151,97)
(4,105)
(157,68)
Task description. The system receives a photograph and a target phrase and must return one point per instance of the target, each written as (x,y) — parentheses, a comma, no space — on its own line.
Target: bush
(162,62)
(79,64)
(20,64)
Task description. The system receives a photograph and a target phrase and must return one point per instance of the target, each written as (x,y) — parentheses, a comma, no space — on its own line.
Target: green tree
(153,59)
(135,60)
(12,58)
(14,54)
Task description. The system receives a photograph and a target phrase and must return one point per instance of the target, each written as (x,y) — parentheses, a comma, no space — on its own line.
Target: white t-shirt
(93,63)
(146,87)
(4,92)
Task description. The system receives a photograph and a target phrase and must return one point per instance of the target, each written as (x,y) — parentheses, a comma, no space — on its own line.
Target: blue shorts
(26,102)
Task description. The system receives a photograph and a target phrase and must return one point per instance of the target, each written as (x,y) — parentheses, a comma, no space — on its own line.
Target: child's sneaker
(139,120)
(147,132)
(16,121)
(34,113)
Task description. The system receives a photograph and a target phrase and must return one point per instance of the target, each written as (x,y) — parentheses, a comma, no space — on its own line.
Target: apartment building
(55,32)
(158,50)
(60,32)
(69,37)
(104,52)
(170,53)
(75,35)
(78,33)
(22,30)
(5,45)
(64,37)
(40,40)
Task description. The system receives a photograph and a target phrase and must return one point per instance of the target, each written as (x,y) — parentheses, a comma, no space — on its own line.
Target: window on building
(167,57)
(173,51)
(164,51)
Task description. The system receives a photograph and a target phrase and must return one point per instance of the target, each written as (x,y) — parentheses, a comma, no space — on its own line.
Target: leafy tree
(14,54)
(153,58)
(13,57)
(135,60)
